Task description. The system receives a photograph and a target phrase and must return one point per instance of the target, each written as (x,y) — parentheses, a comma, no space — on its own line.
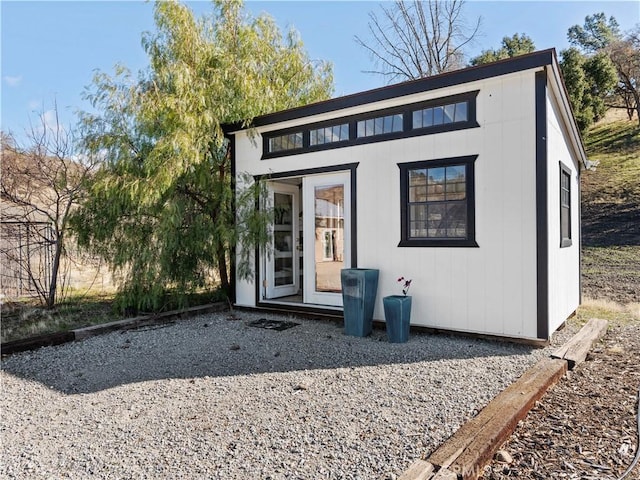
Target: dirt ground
(585,426)
(611,273)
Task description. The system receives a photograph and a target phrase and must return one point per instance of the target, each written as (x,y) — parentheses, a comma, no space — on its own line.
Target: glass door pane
(282,278)
(283,239)
(329,237)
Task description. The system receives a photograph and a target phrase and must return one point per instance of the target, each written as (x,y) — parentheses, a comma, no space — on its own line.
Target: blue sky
(50,49)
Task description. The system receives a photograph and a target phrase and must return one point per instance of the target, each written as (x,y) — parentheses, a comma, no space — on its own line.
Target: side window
(565,206)
(437,203)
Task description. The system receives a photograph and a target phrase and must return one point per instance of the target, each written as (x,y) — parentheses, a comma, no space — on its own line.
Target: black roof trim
(457,77)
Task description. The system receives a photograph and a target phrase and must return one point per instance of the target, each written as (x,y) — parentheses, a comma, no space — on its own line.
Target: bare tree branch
(40,185)
(418,39)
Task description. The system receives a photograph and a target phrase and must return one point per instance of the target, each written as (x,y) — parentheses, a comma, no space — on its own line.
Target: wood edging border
(32,343)
(465,454)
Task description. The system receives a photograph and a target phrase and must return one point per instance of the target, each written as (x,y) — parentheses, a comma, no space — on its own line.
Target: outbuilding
(467,183)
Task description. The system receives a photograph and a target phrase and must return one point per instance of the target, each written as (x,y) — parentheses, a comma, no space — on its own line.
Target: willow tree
(161,210)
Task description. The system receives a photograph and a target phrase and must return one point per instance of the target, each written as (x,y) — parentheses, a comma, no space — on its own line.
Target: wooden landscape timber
(575,350)
(465,453)
(32,343)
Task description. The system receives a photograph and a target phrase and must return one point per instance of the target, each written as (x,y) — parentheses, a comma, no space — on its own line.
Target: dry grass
(609,310)
(26,318)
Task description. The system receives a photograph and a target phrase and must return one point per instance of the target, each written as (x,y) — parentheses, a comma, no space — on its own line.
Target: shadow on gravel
(221,345)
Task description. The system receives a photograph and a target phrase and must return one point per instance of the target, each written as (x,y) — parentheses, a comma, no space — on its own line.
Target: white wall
(564,263)
(490,289)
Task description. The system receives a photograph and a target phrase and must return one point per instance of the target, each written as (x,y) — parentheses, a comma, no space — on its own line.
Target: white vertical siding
(490,289)
(564,263)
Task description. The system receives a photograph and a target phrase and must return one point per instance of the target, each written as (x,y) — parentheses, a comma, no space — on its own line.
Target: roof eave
(443,80)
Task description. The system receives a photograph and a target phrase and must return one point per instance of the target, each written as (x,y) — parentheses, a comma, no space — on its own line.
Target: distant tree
(596,33)
(41,184)
(510,47)
(589,80)
(590,75)
(604,48)
(418,39)
(161,209)
(625,56)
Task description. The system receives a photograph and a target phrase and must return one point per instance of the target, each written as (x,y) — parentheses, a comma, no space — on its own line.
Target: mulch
(586,426)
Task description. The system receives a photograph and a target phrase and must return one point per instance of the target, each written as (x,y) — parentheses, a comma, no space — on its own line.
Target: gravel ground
(211,397)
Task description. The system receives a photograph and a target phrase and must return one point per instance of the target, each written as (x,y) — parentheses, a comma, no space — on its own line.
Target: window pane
(297,140)
(335,133)
(397,123)
(379,126)
(436,183)
(456,182)
(418,177)
(461,112)
(564,222)
(417,221)
(417,119)
(427,117)
(438,115)
(449,111)
(361,129)
(418,213)
(344,131)
(437,220)
(456,220)
(388,124)
(369,129)
(418,194)
(418,229)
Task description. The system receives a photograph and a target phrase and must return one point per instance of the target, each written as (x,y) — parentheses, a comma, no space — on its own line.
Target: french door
(282,266)
(327,236)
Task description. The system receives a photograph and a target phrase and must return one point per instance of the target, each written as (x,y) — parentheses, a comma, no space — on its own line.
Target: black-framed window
(565,206)
(437,203)
(454,112)
(380,125)
(440,115)
(329,134)
(287,141)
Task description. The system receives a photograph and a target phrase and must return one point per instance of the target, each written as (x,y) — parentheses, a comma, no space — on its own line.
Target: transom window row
(423,118)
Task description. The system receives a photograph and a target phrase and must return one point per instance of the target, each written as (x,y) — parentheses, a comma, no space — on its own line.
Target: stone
(503,456)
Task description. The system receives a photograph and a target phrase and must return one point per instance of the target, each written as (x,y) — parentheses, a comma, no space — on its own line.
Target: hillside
(611,212)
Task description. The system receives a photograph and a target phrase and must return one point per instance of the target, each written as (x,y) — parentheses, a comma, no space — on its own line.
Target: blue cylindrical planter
(397,315)
(359,288)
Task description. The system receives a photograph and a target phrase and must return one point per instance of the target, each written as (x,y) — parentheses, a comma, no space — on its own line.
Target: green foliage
(588,80)
(596,34)
(161,209)
(510,47)
(590,75)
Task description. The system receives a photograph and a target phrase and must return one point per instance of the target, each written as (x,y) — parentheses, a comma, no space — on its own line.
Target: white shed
(465,182)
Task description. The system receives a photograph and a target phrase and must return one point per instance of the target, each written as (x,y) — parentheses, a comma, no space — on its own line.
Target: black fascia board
(448,79)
